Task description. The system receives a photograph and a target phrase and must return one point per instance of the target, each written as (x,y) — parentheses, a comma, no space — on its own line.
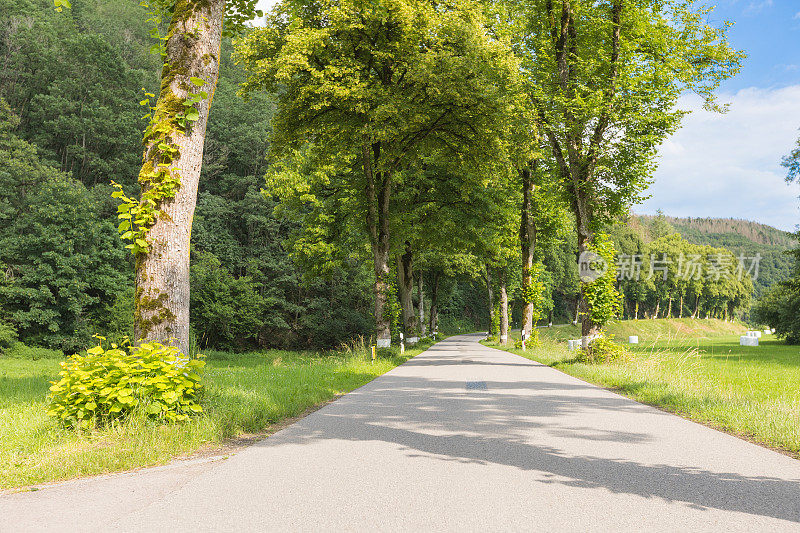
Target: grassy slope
(697,369)
(246,394)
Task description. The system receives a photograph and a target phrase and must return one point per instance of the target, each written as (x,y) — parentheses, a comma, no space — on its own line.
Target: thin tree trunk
(637,310)
(162,273)
(696,306)
(669,308)
(405,276)
(527,238)
(503,309)
(658,308)
(421,306)
(680,309)
(433,317)
(490,293)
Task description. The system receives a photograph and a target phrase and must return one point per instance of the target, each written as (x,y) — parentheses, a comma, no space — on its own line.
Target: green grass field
(697,369)
(245,394)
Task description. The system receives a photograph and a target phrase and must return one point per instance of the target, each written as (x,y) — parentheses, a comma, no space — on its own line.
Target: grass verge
(698,371)
(245,394)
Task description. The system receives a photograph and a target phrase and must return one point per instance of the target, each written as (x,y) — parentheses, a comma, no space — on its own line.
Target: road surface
(460,438)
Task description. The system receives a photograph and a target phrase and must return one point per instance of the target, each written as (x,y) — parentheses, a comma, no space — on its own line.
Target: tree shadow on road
(441,420)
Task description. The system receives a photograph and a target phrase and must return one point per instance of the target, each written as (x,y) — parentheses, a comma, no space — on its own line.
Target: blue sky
(729,165)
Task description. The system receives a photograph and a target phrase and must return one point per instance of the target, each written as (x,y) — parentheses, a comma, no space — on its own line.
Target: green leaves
(60,4)
(106,385)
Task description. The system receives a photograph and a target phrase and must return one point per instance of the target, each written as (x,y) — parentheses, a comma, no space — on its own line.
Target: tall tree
(159,224)
(604,82)
(376,87)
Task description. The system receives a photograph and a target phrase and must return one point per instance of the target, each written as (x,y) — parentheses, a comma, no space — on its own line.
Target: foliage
(62,264)
(228,312)
(780,308)
(102,385)
(8,337)
(603,349)
(605,302)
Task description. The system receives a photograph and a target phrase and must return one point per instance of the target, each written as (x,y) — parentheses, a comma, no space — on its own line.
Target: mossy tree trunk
(162,273)
(379,190)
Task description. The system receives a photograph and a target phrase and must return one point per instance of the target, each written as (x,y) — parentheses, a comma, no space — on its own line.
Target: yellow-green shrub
(603,349)
(105,385)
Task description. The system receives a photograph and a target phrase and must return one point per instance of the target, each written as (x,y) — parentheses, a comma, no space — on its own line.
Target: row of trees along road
(456,135)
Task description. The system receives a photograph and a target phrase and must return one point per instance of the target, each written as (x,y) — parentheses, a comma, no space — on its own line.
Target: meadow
(245,394)
(697,369)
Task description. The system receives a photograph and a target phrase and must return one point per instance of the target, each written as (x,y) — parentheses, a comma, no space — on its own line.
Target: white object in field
(633,339)
(773,331)
(767,331)
(503,338)
(573,344)
(756,334)
(384,343)
(412,340)
(746,340)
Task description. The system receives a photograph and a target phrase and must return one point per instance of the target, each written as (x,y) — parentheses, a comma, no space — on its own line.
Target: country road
(460,438)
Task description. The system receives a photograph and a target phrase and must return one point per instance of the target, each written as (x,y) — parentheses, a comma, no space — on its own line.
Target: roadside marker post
(402,345)
(373,353)
(523,340)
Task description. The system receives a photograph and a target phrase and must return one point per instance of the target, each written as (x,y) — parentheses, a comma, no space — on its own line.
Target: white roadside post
(523,340)
(633,339)
(402,345)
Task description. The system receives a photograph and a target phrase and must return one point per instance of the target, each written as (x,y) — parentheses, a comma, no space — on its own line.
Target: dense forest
(267,270)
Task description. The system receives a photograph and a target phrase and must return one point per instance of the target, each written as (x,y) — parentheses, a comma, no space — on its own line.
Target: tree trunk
(669,308)
(162,273)
(490,292)
(658,308)
(680,309)
(503,309)
(527,239)
(636,316)
(379,189)
(421,306)
(696,307)
(405,277)
(433,317)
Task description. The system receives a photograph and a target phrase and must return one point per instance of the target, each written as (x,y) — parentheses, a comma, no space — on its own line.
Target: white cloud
(728,165)
(757,5)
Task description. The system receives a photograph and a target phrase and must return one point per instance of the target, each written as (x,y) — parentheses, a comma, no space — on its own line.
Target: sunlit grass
(701,374)
(245,394)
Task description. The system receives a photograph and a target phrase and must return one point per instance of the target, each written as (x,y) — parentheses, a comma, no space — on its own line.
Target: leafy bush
(8,337)
(780,308)
(603,349)
(20,350)
(105,385)
(531,342)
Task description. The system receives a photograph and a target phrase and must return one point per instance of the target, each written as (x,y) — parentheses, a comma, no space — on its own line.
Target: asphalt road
(460,438)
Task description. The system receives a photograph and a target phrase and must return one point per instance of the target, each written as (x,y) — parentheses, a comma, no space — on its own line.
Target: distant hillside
(738,236)
(712,231)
